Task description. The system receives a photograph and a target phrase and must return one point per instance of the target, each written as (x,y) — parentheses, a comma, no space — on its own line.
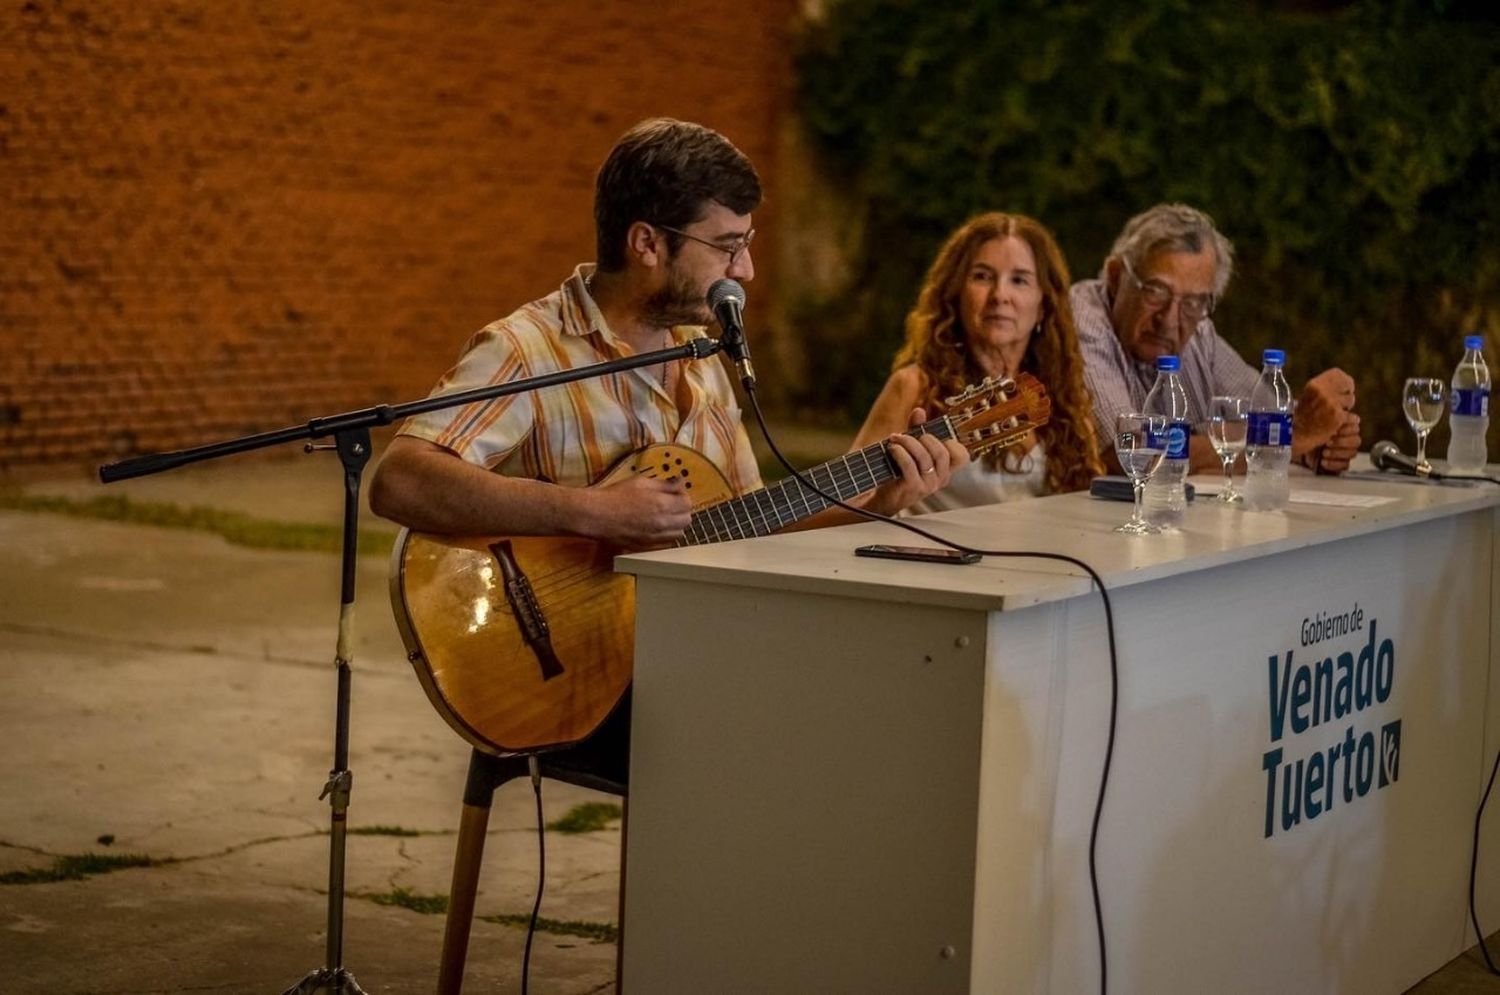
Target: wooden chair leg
(620,910)
(486,774)
(466,862)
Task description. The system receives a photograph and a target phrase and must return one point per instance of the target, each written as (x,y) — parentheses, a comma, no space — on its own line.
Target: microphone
(1388,456)
(726,299)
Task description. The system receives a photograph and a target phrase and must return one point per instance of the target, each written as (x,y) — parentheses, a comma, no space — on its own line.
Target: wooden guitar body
(515,674)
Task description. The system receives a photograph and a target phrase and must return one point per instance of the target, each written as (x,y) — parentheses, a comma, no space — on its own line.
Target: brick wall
(225,218)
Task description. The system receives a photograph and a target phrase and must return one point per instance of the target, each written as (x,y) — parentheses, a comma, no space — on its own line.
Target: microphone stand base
(339,981)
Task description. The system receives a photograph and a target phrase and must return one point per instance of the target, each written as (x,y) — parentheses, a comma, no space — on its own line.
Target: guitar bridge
(528,612)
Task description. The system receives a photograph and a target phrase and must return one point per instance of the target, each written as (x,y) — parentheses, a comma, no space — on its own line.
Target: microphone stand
(351,434)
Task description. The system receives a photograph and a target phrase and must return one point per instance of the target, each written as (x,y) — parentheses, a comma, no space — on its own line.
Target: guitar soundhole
(670,464)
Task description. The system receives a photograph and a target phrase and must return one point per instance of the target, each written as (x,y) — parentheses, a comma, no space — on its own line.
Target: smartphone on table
(919,554)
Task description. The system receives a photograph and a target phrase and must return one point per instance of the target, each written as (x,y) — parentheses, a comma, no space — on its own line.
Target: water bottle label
(1174,440)
(1471,401)
(1268,428)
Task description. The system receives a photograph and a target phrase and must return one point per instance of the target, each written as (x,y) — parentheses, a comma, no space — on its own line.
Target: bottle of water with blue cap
(1469,410)
(1164,502)
(1268,437)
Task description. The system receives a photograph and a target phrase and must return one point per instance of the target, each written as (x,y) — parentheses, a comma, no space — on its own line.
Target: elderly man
(1155,297)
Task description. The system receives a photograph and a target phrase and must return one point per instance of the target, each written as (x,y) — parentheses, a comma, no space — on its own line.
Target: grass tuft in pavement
(405,898)
(233,526)
(590,817)
(383,831)
(76,867)
(598,932)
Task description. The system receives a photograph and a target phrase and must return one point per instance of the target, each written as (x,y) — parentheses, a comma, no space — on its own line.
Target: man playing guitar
(672,215)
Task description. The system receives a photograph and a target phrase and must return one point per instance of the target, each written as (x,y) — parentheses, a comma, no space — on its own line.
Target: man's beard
(678,303)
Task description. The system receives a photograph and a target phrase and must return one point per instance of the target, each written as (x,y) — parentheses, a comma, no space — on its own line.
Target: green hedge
(1351,154)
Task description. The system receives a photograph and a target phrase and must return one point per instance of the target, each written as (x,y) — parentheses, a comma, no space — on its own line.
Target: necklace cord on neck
(588,287)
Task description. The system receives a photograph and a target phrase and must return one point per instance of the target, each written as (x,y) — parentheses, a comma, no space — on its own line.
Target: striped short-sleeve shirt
(572,434)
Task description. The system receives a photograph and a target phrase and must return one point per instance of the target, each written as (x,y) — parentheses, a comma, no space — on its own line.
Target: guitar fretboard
(770,508)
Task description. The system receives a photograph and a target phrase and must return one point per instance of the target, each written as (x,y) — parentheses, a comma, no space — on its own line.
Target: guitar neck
(787,502)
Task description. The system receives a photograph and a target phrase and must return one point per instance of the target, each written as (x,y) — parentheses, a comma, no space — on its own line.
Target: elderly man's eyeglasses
(1159,297)
(733,250)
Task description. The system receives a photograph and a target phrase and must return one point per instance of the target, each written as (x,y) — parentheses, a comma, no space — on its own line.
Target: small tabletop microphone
(1388,456)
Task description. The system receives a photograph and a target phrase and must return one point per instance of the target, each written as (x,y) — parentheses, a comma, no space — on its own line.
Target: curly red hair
(936,343)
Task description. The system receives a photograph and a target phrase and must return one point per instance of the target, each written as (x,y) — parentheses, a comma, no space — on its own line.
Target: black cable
(1479,815)
(1474,866)
(1484,950)
(1109,619)
(541,874)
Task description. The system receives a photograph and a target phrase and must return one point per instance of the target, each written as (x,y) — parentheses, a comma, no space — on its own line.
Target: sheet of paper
(1389,478)
(1331,499)
(1402,478)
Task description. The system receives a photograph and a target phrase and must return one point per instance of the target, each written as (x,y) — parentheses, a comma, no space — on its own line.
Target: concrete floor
(173,693)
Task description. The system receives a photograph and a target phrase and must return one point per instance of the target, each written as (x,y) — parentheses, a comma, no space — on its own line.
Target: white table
(856,775)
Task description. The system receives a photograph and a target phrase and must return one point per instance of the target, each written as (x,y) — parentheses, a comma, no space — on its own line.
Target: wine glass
(1422,399)
(1226,430)
(1138,446)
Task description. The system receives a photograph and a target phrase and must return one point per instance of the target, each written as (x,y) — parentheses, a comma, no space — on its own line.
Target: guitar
(525,643)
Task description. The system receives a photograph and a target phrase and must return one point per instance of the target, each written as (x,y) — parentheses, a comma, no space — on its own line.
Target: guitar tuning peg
(960,398)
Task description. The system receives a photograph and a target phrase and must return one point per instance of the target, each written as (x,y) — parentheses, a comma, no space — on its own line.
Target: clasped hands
(1327,426)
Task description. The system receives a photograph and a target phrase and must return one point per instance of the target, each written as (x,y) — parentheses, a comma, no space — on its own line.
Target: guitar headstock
(994,413)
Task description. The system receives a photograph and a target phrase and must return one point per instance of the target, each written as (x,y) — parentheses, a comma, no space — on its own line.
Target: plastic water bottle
(1469,410)
(1268,437)
(1165,499)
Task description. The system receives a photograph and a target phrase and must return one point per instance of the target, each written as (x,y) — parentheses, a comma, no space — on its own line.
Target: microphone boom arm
(384,414)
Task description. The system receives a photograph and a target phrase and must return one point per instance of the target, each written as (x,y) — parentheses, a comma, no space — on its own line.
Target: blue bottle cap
(1473,341)
(1168,364)
(1273,357)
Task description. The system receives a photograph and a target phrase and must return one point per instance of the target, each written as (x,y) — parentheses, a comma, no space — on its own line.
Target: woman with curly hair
(995,303)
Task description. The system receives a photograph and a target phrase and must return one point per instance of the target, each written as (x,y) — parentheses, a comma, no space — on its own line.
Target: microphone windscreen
(1381,453)
(724,290)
